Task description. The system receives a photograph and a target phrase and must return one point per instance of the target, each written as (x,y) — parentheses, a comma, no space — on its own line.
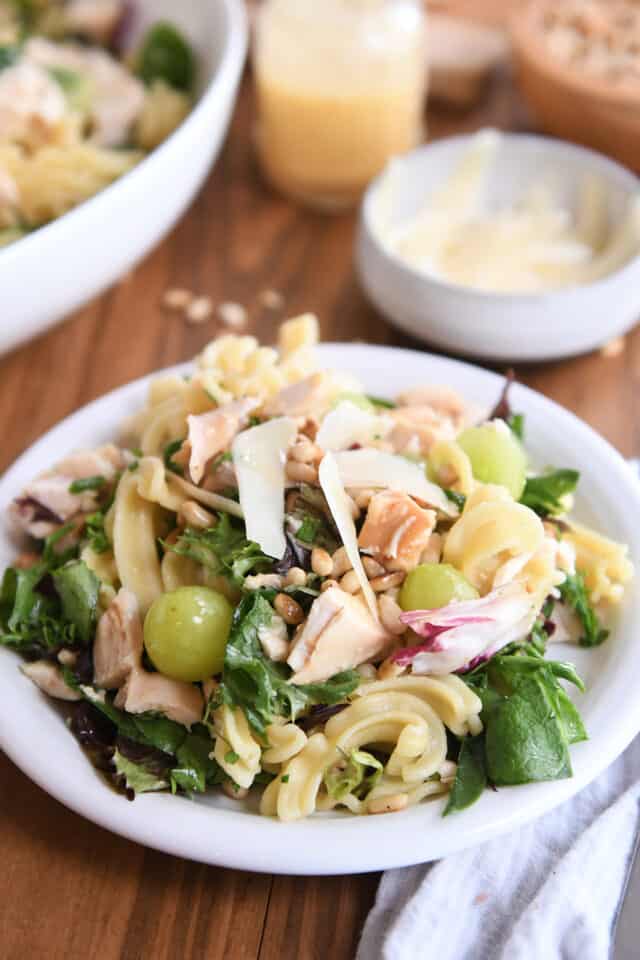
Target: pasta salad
(77,108)
(275,582)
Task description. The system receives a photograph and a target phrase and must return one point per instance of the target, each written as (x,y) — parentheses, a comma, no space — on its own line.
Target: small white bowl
(62,265)
(499,326)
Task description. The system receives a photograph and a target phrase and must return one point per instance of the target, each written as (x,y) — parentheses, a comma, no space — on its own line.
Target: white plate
(217,830)
(55,269)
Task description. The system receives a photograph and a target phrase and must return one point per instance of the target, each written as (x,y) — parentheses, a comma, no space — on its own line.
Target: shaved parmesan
(336,497)
(348,424)
(374,468)
(259,456)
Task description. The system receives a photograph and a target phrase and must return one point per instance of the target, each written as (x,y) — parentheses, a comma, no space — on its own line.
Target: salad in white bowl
(274,582)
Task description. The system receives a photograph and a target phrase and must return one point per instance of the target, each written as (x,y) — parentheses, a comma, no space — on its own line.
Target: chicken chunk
(145,692)
(442,400)
(211,433)
(31,104)
(338,634)
(47,502)
(417,429)
(48,677)
(96,19)
(396,530)
(118,645)
(117,95)
(274,639)
(301,399)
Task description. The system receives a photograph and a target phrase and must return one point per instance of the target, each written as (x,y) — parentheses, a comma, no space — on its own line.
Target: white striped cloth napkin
(549,891)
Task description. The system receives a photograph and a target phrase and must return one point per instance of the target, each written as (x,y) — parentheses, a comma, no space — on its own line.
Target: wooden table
(67,888)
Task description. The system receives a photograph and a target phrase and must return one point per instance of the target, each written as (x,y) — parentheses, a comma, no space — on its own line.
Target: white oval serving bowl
(60,266)
(499,326)
(217,830)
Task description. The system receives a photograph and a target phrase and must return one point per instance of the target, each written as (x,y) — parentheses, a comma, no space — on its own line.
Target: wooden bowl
(570,103)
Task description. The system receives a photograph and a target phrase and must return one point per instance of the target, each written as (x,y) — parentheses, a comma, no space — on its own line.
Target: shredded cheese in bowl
(534,243)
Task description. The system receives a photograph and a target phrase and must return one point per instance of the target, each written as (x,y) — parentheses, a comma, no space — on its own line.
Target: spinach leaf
(471,775)
(223,549)
(574,593)
(166,55)
(544,494)
(137,776)
(259,686)
(195,769)
(78,588)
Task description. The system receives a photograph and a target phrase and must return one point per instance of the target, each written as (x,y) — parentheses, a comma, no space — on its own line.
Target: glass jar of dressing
(340,89)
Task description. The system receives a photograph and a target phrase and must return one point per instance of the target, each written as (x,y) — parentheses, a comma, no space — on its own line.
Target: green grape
(357,399)
(433,585)
(186,632)
(496,457)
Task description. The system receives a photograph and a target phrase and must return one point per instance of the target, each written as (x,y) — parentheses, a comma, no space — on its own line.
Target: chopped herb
(458,498)
(166,55)
(254,421)
(224,457)
(285,778)
(381,402)
(308,529)
(544,494)
(350,776)
(87,483)
(516,423)
(231,756)
(167,455)
(95,533)
(574,593)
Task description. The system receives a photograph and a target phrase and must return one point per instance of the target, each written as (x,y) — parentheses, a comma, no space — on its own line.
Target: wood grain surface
(67,888)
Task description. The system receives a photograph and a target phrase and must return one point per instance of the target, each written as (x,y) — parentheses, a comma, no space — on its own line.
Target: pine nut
(288,608)
(397,801)
(199,310)
(301,472)
(389,670)
(321,562)
(177,299)
(350,582)
(328,584)
(191,514)
(296,577)
(372,568)
(390,615)
(389,580)
(367,671)
(305,451)
(341,562)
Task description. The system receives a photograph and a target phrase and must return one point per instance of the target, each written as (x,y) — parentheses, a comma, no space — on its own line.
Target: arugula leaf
(544,494)
(78,589)
(167,455)
(471,775)
(95,533)
(308,529)
(137,776)
(259,686)
(87,483)
(574,593)
(223,549)
(349,775)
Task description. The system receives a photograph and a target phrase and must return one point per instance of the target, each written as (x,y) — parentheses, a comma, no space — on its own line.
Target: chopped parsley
(87,483)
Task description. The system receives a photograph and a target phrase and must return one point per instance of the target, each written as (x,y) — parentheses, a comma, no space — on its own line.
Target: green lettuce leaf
(223,549)
(574,592)
(545,494)
(78,589)
(471,775)
(137,776)
(350,775)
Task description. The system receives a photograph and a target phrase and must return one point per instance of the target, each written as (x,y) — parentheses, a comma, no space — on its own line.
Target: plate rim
(344,844)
